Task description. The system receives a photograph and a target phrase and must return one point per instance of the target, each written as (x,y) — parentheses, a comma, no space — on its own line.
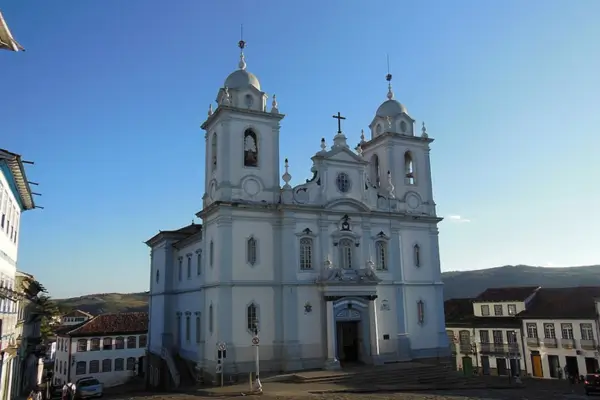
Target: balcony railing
(550,343)
(588,344)
(499,348)
(567,343)
(533,342)
(465,348)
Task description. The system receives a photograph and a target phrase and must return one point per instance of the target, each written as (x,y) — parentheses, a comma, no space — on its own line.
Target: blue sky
(109,97)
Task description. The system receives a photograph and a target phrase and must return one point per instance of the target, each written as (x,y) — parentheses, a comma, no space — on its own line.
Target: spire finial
(286,176)
(275,105)
(388,78)
(362,135)
(424,131)
(242,46)
(210,110)
(323,145)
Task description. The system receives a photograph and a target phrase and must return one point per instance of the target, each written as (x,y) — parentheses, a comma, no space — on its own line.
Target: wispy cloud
(457,219)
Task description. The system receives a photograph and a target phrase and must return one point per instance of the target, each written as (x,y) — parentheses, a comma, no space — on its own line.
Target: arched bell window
(250,148)
(409,169)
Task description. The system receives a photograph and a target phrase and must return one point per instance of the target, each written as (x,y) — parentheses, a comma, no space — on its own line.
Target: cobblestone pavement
(550,393)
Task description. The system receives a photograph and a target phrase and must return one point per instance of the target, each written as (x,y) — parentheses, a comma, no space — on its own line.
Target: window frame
(107,343)
(381,255)
(549,330)
(82,345)
(498,310)
(94,367)
(95,344)
(107,362)
(252,251)
(532,330)
(346,259)
(119,364)
(567,327)
(485,307)
(131,339)
(119,343)
(79,366)
(512,307)
(306,261)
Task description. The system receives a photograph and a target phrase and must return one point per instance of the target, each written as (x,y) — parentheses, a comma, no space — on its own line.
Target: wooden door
(536,365)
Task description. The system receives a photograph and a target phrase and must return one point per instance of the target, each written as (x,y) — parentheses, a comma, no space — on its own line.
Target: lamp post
(255,343)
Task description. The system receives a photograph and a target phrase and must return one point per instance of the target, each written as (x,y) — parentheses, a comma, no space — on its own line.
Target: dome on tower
(391,108)
(241,79)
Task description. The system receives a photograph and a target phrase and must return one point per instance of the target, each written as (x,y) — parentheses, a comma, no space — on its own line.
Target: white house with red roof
(108,347)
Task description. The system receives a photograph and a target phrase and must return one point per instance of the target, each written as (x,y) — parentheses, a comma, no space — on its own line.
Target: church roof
(241,79)
(178,234)
(390,108)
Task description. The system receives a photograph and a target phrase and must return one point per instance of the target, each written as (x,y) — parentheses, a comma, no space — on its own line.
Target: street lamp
(255,342)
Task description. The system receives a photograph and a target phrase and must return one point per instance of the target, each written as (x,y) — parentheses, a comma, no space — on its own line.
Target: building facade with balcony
(75,317)
(109,347)
(561,332)
(485,332)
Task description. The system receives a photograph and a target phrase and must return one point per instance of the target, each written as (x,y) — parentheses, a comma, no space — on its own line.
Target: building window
(251,251)
(567,331)
(107,365)
(179,330)
(210,318)
(157,275)
(417,255)
(143,341)
(107,344)
(464,337)
(214,151)
(498,309)
(130,363)
(119,364)
(485,310)
(346,248)
(119,343)
(421,312)
(199,263)
(94,366)
(306,252)
(189,267)
(180,269)
(198,331)
(250,149)
(484,336)
(131,342)
(511,337)
(409,169)
(95,345)
(211,253)
(82,345)
(497,337)
(381,254)
(187,328)
(512,309)
(549,331)
(532,332)
(251,317)
(586,331)
(80,368)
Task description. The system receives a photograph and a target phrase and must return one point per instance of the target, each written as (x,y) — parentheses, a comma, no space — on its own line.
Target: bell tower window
(403,126)
(250,149)
(409,169)
(214,151)
(375,176)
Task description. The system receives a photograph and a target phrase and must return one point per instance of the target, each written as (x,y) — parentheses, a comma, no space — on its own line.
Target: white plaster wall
(519,304)
(158,314)
(311,338)
(559,351)
(211,233)
(264,300)
(262,232)
(212,337)
(61,358)
(387,320)
(422,336)
(9,205)
(429,268)
(193,281)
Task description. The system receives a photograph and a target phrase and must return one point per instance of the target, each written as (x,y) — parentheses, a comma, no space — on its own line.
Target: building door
(536,366)
(554,366)
(591,365)
(572,366)
(485,365)
(467,366)
(515,367)
(347,341)
(501,366)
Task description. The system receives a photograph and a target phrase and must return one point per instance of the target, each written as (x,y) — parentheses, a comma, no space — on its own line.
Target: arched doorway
(352,331)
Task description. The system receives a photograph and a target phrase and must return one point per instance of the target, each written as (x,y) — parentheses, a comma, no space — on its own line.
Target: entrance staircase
(399,374)
(168,357)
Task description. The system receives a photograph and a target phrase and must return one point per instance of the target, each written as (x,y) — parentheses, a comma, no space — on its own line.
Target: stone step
(422,373)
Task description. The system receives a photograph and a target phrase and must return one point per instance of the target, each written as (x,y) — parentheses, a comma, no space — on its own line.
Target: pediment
(342,154)
(347,204)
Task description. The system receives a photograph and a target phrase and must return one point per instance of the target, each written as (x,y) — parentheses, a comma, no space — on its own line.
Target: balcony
(465,348)
(567,343)
(533,342)
(588,344)
(499,349)
(550,343)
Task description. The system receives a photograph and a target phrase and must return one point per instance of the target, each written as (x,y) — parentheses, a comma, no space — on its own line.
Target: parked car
(89,387)
(592,383)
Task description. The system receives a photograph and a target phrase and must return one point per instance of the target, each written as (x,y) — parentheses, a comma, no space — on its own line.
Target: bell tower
(242,141)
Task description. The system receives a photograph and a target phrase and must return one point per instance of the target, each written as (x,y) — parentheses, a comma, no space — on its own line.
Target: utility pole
(256,344)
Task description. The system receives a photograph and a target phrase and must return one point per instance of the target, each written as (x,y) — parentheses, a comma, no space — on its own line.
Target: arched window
(409,169)
(250,148)
(143,341)
(80,368)
(417,255)
(346,249)
(119,343)
(119,364)
(107,343)
(131,342)
(214,150)
(306,252)
(210,318)
(95,344)
(157,275)
(252,318)
(375,176)
(130,363)
(251,251)
(82,345)
(381,254)
(211,253)
(107,365)
(94,366)
(403,127)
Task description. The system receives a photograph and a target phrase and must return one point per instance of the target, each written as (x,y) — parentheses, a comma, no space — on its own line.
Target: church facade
(342,268)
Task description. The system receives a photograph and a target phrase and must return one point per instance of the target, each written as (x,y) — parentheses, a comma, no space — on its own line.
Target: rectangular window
(532,332)
(80,368)
(497,335)
(511,337)
(178,327)
(211,253)
(484,336)
(512,309)
(94,366)
(346,247)
(119,364)
(199,263)
(189,267)
(498,309)
(306,252)
(549,331)
(107,344)
(567,331)
(82,345)
(180,269)
(107,365)
(586,332)
(381,254)
(143,341)
(198,329)
(187,328)
(485,310)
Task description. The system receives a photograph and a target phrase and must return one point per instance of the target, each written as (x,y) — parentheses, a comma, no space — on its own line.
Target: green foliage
(47,309)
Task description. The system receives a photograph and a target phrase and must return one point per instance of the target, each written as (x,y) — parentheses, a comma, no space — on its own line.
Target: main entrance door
(348,341)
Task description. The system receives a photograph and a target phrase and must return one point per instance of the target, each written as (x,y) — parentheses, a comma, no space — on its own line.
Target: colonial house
(75,317)
(109,347)
(561,329)
(485,333)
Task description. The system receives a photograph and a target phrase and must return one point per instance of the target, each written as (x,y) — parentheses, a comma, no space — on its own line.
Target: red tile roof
(506,294)
(563,303)
(459,313)
(111,324)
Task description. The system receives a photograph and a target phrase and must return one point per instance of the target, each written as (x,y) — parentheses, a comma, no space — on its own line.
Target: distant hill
(456,284)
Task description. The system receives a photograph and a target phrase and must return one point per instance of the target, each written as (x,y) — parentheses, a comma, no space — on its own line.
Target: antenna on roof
(33,183)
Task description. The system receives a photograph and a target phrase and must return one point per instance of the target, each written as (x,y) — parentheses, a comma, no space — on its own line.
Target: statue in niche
(250,149)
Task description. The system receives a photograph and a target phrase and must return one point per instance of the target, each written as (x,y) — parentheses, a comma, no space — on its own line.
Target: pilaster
(396,254)
(223,310)
(289,301)
(332,362)
(367,249)
(374,329)
(324,242)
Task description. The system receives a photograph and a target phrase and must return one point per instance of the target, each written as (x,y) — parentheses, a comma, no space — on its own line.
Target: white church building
(343,268)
